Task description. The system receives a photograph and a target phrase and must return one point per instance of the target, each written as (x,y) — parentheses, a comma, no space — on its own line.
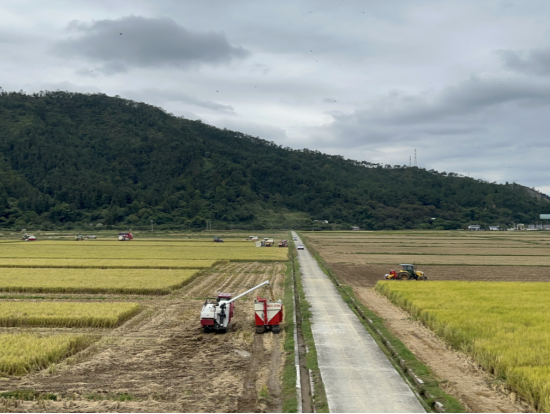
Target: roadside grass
(431,385)
(289,397)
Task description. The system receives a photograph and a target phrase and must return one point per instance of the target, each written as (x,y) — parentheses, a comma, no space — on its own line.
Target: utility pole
(152,222)
(208,224)
(415,164)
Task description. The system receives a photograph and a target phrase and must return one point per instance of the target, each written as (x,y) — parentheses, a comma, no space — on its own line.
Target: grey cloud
(134,41)
(534,61)
(162,95)
(462,111)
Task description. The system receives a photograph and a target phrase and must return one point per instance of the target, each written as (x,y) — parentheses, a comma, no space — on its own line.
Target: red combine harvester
(125,236)
(217,315)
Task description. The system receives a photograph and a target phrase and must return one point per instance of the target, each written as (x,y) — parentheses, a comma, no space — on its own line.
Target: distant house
(321,221)
(494,228)
(474,227)
(355,228)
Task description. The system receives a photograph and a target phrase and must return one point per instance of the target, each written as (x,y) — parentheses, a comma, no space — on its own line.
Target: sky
(465,84)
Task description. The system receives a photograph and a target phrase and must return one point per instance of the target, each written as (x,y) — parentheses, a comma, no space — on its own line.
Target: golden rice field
(67,314)
(130,250)
(503,326)
(129,281)
(22,353)
(108,263)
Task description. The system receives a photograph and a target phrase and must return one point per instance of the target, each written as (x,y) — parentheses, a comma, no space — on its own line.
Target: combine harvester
(216,316)
(125,236)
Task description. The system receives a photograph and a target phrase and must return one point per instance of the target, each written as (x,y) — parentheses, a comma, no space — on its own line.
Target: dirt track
(165,363)
(466,381)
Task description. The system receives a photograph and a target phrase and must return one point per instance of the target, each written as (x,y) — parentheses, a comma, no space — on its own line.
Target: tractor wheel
(260,329)
(276,329)
(424,277)
(206,329)
(403,276)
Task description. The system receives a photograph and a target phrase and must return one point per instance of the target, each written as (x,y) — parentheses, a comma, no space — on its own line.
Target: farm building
(494,228)
(474,227)
(355,228)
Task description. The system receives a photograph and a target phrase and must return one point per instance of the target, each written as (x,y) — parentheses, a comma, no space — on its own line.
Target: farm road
(357,375)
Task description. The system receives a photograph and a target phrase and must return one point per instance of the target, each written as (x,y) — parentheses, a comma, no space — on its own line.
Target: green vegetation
(289,397)
(79,160)
(503,326)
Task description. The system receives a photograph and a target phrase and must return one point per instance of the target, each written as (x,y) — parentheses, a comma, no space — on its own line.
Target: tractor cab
(408,272)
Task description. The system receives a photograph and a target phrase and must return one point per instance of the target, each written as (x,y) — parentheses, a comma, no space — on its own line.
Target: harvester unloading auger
(217,315)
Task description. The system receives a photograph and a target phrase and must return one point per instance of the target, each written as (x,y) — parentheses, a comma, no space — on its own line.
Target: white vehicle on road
(301,247)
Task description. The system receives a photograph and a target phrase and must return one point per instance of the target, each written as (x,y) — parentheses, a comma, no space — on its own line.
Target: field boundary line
(416,374)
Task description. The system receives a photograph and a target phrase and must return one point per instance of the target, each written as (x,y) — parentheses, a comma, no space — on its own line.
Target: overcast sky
(466,83)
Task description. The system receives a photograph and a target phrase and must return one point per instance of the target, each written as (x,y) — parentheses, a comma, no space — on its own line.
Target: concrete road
(358,376)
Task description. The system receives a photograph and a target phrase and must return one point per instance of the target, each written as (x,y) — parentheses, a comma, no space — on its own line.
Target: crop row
(127,251)
(66,314)
(503,326)
(107,263)
(22,353)
(129,281)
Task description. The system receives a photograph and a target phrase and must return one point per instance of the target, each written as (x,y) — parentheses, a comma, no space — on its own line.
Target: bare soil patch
(368,275)
(477,390)
(165,363)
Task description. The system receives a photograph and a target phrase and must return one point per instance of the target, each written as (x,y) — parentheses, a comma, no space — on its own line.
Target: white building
(474,227)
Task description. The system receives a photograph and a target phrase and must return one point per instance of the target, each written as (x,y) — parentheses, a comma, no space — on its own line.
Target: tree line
(74,160)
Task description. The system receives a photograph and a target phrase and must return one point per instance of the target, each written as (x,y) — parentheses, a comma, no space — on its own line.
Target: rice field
(393,259)
(130,250)
(503,326)
(66,314)
(22,353)
(107,263)
(128,281)
(435,248)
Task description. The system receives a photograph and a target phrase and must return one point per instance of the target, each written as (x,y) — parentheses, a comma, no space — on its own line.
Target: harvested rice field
(460,250)
(107,326)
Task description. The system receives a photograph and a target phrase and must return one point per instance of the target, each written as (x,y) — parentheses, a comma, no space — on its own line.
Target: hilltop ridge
(71,159)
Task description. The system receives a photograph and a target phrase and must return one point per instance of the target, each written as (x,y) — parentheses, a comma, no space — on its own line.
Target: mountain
(74,160)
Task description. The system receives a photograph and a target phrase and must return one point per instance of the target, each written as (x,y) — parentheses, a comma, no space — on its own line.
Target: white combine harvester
(217,315)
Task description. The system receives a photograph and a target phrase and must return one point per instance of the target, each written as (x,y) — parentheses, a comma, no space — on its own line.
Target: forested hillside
(75,160)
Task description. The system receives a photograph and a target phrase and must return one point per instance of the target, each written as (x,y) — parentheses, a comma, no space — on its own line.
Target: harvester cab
(216,315)
(408,272)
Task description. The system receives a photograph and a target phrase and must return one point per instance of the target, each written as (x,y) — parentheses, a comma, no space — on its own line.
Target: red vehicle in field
(125,236)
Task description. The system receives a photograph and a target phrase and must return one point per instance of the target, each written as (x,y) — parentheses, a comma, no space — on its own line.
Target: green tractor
(408,272)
